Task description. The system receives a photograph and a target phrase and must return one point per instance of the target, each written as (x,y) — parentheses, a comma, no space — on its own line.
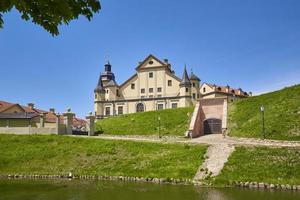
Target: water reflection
(107,190)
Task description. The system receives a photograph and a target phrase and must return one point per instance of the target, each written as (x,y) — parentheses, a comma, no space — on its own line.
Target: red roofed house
(208,90)
(16,115)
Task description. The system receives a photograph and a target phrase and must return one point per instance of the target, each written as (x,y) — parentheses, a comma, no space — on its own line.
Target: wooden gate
(212,126)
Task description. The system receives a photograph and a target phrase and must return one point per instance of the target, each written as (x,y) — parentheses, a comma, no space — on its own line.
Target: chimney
(250,94)
(30,105)
(227,88)
(52,110)
(166,61)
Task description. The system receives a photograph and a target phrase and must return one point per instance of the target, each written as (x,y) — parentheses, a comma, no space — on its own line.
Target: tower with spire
(185,89)
(106,89)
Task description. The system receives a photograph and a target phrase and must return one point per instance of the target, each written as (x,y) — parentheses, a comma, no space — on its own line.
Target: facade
(208,91)
(154,86)
(16,115)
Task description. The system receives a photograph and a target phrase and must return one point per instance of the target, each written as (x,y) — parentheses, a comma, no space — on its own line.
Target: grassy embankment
(174,122)
(262,164)
(59,155)
(282,115)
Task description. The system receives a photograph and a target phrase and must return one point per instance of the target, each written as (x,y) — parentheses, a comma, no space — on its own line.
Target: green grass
(262,164)
(282,115)
(174,122)
(59,155)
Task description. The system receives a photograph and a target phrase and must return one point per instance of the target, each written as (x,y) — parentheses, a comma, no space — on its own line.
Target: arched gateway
(212,125)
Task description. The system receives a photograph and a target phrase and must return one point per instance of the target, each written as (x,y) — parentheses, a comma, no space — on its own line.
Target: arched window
(204,90)
(140,107)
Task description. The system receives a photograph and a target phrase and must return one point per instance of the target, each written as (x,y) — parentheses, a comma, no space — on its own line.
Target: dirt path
(213,139)
(216,157)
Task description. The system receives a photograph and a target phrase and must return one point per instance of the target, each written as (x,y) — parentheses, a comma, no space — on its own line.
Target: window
(174,105)
(150,74)
(140,107)
(169,82)
(159,95)
(150,96)
(194,96)
(106,91)
(143,90)
(159,89)
(186,89)
(204,89)
(160,106)
(150,90)
(132,86)
(198,96)
(194,85)
(95,96)
(150,62)
(120,110)
(118,93)
(219,88)
(232,91)
(107,111)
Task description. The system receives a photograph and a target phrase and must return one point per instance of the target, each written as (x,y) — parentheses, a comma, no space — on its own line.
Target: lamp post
(262,110)
(159,127)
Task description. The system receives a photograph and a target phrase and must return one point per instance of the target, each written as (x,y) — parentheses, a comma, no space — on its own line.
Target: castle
(154,86)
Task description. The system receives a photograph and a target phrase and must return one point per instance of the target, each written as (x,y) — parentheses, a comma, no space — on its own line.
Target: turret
(99,95)
(107,75)
(112,90)
(185,84)
(185,89)
(195,81)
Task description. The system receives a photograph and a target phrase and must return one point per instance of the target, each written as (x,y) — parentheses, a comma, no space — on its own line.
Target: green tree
(50,13)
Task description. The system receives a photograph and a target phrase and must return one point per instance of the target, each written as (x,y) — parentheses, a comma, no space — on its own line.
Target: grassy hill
(59,155)
(282,115)
(173,122)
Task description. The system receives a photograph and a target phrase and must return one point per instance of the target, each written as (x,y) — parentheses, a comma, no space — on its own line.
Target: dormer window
(219,88)
(150,62)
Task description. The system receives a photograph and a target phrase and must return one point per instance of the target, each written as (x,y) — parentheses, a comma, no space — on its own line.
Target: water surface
(103,190)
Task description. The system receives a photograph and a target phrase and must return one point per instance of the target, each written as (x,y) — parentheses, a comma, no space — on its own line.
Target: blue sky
(252,44)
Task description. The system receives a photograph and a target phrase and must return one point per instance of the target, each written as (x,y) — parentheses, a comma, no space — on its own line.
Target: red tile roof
(228,90)
(50,116)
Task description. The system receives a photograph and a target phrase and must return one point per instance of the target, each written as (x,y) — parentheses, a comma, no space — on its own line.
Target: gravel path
(213,139)
(216,157)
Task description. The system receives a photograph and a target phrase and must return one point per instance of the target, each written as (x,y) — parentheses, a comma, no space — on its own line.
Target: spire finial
(107,59)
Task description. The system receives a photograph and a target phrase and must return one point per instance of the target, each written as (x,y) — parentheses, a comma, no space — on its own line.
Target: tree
(50,13)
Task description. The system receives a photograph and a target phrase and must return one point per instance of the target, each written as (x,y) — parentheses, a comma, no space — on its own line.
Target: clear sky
(252,44)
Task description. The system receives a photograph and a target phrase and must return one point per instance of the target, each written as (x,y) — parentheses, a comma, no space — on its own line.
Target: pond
(89,190)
